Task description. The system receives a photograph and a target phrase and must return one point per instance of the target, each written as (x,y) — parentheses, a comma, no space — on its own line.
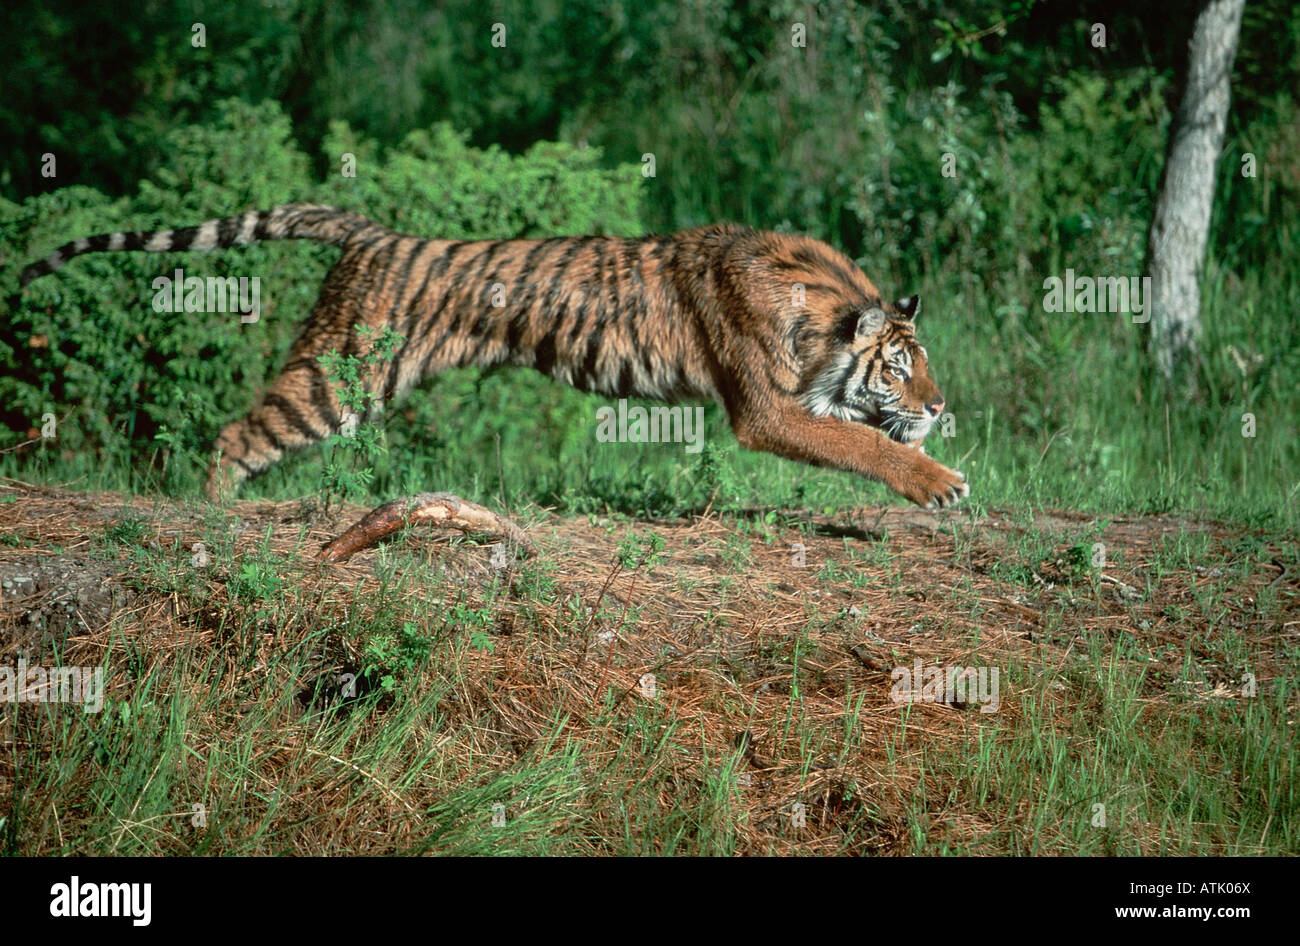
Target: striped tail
(286,222)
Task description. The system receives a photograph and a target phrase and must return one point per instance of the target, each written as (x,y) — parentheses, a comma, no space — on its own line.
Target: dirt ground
(715,621)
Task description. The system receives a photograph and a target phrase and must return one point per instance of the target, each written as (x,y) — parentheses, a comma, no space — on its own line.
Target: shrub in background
(128,382)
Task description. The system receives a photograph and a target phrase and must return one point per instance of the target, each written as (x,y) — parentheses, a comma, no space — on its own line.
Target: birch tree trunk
(1181,224)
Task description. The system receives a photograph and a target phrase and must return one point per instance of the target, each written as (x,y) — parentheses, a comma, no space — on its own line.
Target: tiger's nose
(935,406)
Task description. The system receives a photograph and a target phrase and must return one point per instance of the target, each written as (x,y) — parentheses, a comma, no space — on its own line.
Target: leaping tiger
(808,359)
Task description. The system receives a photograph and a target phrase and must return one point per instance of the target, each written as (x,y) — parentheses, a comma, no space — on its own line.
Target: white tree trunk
(1181,224)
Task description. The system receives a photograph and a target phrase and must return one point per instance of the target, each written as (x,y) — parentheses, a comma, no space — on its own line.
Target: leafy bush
(123,380)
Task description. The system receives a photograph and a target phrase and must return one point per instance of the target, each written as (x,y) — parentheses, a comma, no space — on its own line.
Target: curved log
(439,509)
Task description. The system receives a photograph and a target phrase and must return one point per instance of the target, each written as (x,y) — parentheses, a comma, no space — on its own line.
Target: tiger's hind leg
(300,409)
(302,406)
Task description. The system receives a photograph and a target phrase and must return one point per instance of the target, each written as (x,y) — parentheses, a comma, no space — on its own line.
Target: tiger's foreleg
(790,431)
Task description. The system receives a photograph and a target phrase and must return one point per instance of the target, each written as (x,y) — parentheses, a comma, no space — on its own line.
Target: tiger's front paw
(933,485)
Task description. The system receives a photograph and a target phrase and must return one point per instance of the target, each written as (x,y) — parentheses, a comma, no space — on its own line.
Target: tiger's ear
(870,321)
(910,307)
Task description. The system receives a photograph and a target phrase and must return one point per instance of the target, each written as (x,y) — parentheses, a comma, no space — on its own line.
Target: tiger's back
(601,314)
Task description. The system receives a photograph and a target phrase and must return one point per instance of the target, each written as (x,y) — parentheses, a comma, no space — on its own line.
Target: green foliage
(351,453)
(88,345)
(391,657)
(89,342)
(127,530)
(257,580)
(636,551)
(435,183)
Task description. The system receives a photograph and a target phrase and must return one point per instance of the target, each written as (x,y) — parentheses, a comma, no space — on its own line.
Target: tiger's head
(879,374)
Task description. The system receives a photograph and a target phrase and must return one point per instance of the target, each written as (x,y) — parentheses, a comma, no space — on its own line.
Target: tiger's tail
(286,222)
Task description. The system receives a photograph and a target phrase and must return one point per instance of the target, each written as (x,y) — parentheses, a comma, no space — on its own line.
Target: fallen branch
(441,509)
